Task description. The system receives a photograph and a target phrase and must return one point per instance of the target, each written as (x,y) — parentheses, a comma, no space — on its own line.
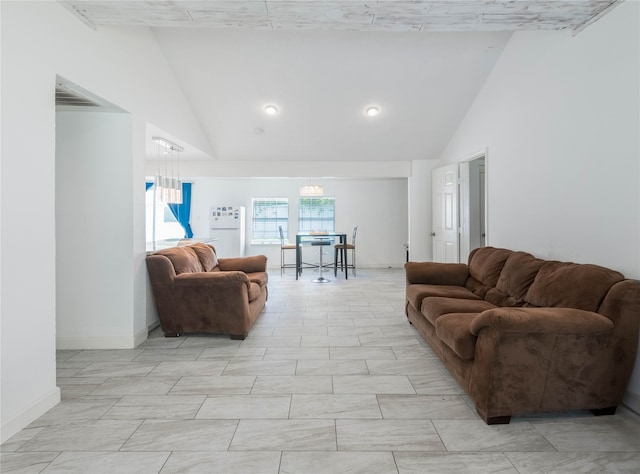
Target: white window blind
(268,214)
(316,214)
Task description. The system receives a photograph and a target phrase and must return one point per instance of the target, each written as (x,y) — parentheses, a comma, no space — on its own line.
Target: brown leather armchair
(195,292)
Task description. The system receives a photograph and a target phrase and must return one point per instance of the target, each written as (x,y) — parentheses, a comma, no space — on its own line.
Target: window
(268,214)
(160,221)
(316,213)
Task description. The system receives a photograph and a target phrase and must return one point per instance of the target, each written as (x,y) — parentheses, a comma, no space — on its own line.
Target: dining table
(302,237)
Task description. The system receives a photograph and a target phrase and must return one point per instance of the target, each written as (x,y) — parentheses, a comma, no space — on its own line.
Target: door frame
(464,197)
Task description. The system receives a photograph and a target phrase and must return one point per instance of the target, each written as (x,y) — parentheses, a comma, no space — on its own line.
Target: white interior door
(445,214)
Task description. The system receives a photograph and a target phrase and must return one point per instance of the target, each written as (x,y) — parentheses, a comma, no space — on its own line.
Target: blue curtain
(182,212)
(148,186)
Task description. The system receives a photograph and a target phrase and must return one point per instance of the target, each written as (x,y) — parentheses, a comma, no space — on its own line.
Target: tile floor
(332,379)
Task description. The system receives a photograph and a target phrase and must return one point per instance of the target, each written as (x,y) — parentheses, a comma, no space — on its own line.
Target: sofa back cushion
(514,281)
(485,265)
(207,256)
(571,285)
(184,259)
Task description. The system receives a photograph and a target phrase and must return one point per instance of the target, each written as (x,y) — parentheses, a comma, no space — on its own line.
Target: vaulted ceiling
(322,63)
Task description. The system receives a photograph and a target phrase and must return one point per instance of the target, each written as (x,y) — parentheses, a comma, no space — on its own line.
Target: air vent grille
(67,97)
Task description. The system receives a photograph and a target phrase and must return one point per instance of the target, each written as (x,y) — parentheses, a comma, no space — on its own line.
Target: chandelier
(169,184)
(311,190)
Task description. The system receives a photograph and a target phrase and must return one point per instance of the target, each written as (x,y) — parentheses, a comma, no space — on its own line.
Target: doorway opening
(93,221)
(473,204)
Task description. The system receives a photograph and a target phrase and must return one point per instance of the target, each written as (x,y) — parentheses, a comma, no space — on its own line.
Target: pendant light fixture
(312,190)
(169,184)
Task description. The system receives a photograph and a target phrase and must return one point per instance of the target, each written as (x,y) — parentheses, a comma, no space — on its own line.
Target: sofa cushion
(433,307)
(516,277)
(261,278)
(453,330)
(417,292)
(571,285)
(184,259)
(207,256)
(477,288)
(518,273)
(254,291)
(485,265)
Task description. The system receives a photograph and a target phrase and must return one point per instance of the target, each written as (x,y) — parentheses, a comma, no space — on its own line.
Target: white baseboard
(29,414)
(140,337)
(152,326)
(632,401)
(105,342)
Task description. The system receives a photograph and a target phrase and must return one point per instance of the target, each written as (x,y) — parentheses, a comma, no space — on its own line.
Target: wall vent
(68,97)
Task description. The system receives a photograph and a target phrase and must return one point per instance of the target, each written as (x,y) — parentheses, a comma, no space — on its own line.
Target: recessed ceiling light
(270,109)
(372,111)
(334,14)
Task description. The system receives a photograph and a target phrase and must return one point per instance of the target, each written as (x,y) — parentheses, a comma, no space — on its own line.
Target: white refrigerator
(227,229)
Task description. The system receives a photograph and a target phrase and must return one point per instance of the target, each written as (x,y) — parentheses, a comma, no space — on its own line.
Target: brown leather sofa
(195,292)
(524,335)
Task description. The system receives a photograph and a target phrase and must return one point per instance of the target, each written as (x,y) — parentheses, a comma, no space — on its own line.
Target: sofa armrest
(252,264)
(542,321)
(217,280)
(160,269)
(435,273)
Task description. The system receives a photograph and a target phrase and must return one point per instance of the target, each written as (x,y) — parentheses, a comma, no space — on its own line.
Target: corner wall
(560,117)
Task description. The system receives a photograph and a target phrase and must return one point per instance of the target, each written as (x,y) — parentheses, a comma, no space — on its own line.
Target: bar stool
(321,242)
(342,250)
(285,246)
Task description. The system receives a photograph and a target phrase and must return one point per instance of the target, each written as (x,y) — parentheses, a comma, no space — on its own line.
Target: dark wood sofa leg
(238,337)
(498,420)
(171,334)
(604,411)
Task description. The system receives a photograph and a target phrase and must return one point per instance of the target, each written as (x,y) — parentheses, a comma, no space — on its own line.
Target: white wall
(560,117)
(290,169)
(94,287)
(377,206)
(40,40)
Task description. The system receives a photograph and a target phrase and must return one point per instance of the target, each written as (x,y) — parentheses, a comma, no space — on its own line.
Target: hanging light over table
(312,190)
(169,184)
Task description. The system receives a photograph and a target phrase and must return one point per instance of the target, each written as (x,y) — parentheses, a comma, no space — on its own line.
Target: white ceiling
(353,15)
(323,62)
(322,82)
